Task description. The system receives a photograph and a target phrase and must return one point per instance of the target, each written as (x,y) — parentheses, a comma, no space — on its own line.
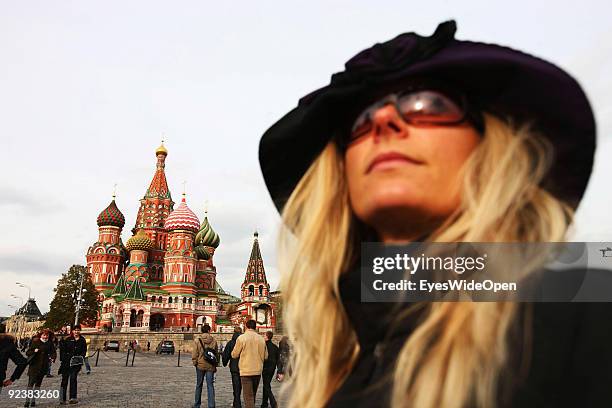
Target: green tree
(63,306)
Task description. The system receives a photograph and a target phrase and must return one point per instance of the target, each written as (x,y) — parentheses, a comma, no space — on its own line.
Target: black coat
(70,347)
(8,350)
(227,355)
(39,361)
(570,356)
(273,360)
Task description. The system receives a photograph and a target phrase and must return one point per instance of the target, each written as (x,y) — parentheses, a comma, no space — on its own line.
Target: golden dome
(140,242)
(161,150)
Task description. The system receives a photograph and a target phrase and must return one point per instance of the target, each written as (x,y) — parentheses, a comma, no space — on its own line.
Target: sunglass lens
(429,106)
(362,125)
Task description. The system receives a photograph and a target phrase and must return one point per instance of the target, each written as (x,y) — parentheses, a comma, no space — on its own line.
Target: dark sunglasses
(417,107)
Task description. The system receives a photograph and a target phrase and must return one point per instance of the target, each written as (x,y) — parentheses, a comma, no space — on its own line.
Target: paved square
(154,381)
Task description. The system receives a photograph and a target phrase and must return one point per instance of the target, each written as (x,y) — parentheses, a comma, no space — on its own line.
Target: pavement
(153,381)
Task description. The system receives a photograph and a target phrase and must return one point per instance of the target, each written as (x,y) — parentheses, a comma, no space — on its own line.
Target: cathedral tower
(105,258)
(180,260)
(154,208)
(255,286)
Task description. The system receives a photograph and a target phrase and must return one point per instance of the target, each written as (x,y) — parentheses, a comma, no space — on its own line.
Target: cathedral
(164,277)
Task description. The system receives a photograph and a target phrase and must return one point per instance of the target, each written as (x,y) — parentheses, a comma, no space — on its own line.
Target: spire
(255,270)
(135,292)
(120,287)
(159,185)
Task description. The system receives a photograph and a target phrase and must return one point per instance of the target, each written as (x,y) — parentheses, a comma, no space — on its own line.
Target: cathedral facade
(164,276)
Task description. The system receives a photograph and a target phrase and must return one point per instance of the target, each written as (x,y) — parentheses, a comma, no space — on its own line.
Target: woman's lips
(391,160)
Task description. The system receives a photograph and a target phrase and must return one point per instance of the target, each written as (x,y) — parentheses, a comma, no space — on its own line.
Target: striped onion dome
(182,219)
(111,216)
(202,252)
(207,236)
(140,241)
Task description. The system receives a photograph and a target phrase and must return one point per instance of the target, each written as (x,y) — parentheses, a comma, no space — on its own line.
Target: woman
(72,356)
(40,353)
(439,140)
(284,354)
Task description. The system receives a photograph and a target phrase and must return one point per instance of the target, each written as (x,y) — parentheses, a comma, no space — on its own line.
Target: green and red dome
(111,216)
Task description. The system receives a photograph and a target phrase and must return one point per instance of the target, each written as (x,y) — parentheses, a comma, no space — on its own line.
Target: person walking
(53,341)
(40,353)
(205,360)
(86,358)
(234,369)
(9,350)
(148,346)
(72,356)
(269,367)
(251,349)
(283,360)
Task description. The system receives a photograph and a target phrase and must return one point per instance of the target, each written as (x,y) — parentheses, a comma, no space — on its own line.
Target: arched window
(176,299)
(251,290)
(190,300)
(184,300)
(152,299)
(169,300)
(260,290)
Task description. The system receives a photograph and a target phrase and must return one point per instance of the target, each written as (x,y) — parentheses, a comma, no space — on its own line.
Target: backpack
(210,355)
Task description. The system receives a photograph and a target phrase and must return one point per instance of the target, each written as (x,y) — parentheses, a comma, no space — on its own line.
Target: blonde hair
(454,356)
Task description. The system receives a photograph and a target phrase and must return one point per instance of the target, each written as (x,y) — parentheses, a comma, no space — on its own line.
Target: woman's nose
(387,122)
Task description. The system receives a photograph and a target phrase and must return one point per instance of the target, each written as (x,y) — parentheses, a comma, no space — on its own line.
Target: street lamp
(79,300)
(23,285)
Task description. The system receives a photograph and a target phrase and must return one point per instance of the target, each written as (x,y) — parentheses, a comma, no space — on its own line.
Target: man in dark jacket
(234,370)
(72,356)
(8,349)
(267,374)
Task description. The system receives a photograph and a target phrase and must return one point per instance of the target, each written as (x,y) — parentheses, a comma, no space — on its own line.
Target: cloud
(28,203)
(34,264)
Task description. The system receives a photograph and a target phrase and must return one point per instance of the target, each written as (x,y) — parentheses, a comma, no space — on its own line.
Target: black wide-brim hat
(500,80)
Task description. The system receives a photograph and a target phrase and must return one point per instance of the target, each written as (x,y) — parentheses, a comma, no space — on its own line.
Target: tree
(63,306)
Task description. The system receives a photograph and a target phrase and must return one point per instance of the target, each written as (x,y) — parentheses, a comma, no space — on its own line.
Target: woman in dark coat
(72,356)
(433,139)
(284,355)
(40,353)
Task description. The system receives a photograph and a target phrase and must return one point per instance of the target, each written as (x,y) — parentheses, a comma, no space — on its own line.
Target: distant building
(26,321)
(256,302)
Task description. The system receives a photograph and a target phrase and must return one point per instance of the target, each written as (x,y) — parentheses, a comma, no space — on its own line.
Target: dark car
(167,346)
(112,345)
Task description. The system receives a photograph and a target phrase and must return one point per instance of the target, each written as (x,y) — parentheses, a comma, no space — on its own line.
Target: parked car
(112,345)
(167,346)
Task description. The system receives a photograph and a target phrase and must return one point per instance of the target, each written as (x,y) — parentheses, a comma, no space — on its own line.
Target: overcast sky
(87,88)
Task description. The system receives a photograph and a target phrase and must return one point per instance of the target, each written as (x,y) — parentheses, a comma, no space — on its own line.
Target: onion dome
(202,252)
(161,150)
(111,216)
(140,242)
(207,236)
(182,219)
